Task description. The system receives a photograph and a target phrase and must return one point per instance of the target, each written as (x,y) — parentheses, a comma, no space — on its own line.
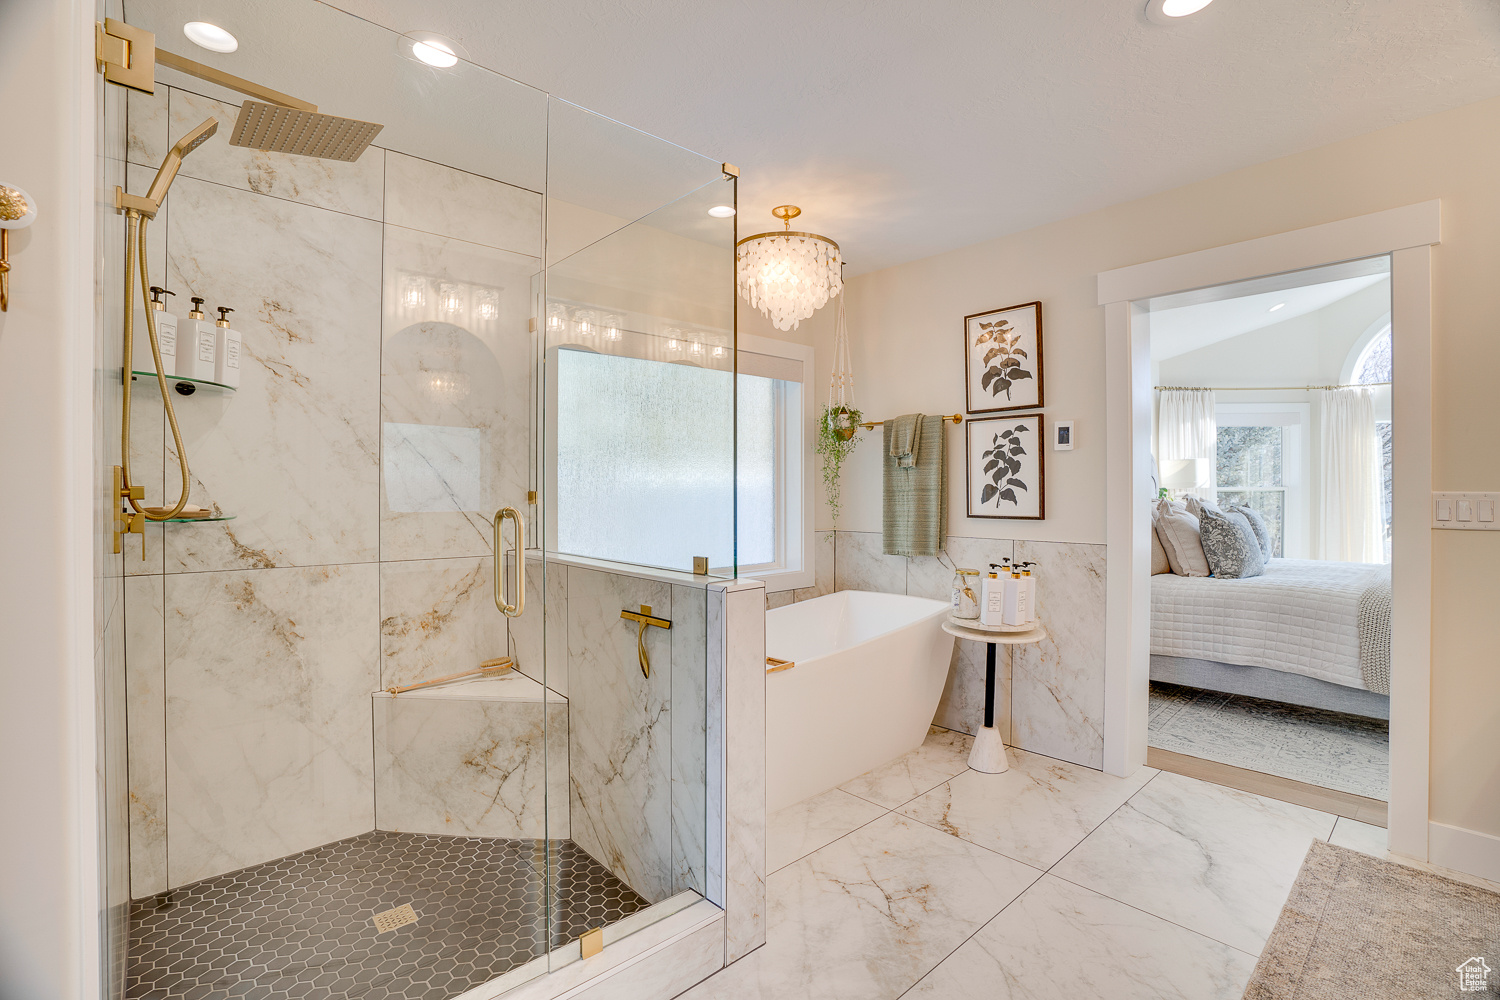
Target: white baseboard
(1467,851)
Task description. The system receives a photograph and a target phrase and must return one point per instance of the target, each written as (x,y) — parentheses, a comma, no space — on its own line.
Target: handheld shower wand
(138,211)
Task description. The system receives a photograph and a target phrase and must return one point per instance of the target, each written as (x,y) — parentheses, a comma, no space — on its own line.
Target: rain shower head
(169,166)
(276,129)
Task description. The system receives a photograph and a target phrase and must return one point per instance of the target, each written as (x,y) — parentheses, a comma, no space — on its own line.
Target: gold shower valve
(127,522)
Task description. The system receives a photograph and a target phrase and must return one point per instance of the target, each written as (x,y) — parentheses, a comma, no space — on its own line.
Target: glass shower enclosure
(369,737)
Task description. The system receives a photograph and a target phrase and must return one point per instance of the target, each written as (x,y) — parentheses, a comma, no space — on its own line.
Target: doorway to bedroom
(1270,590)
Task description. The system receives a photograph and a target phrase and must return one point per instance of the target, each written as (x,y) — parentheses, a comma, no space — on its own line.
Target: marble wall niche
(455,399)
(268,680)
(437,617)
(482,758)
(1057,685)
(620,729)
(294,454)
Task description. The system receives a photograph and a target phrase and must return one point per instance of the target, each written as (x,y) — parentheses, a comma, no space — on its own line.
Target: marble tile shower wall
(357,559)
(1050,696)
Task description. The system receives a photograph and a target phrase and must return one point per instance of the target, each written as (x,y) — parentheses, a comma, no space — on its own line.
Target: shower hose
(135,244)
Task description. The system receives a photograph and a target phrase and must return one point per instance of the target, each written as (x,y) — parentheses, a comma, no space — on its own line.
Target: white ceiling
(1189,328)
(904,130)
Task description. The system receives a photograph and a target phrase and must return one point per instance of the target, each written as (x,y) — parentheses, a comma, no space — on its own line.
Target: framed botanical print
(1005,467)
(1003,359)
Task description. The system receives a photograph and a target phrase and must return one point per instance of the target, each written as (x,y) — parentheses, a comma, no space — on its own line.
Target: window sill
(780,581)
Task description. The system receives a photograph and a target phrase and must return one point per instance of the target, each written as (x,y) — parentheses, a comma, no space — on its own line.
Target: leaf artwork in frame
(1003,358)
(1005,467)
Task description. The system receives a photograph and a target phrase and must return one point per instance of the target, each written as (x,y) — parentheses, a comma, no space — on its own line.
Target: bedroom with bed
(1271,535)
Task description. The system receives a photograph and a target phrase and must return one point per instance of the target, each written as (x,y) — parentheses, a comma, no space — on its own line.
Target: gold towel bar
(645,617)
(870,425)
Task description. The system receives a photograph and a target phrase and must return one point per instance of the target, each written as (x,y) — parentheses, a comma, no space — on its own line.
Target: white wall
(906,325)
(48,887)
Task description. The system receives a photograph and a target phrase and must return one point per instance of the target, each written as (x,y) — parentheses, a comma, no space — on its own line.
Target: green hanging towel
(915,505)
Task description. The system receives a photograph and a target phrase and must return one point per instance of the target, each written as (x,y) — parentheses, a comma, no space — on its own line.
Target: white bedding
(1301,616)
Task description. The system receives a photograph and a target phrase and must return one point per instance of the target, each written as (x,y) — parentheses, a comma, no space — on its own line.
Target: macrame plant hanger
(841,380)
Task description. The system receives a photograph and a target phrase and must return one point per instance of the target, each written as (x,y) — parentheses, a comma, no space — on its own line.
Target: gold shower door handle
(506,608)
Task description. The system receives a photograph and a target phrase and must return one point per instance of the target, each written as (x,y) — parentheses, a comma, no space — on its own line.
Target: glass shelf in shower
(184,385)
(195,520)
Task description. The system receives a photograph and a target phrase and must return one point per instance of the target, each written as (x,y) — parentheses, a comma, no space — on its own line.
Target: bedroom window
(1373,367)
(1257,464)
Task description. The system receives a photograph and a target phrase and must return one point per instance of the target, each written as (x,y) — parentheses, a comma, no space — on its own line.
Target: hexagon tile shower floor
(304,926)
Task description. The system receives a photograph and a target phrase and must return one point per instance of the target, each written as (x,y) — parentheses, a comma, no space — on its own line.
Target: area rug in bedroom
(1328,749)
(1356,926)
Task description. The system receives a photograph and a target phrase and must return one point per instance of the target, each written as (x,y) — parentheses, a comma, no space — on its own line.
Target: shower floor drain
(398,916)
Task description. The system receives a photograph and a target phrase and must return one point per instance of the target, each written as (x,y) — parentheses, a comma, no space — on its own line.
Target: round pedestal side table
(988,754)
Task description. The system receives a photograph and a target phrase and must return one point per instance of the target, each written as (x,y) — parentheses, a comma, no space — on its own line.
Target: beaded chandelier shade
(788,275)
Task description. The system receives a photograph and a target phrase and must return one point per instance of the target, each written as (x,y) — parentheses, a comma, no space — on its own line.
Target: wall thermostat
(1062,435)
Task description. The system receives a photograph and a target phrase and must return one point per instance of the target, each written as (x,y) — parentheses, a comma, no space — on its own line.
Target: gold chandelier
(788,275)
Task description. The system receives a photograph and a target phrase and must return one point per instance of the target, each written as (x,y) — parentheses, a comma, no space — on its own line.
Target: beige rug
(1356,926)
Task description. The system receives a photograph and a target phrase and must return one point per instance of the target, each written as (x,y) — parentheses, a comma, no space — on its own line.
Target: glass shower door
(637,453)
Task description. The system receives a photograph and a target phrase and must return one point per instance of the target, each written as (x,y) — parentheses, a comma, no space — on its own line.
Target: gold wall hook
(645,617)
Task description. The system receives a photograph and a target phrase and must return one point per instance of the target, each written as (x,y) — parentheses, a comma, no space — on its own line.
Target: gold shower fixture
(138,212)
(271,122)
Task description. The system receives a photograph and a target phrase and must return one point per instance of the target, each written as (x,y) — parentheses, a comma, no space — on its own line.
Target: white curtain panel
(1187,426)
(1349,528)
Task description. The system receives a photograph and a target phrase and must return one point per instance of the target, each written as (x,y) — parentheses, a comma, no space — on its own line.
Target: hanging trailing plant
(840,419)
(835,442)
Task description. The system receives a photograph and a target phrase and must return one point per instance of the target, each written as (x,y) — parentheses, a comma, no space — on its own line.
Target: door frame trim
(1407,234)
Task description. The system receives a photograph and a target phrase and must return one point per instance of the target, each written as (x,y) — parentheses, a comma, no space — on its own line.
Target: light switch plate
(1465,511)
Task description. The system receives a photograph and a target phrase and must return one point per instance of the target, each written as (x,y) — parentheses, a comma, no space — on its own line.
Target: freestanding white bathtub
(869,672)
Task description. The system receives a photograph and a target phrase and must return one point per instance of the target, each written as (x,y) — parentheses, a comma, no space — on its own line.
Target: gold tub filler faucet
(645,617)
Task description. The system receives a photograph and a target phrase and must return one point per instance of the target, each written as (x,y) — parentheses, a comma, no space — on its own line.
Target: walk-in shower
(357,743)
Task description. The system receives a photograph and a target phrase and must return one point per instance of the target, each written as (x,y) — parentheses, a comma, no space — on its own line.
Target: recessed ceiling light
(210,36)
(434,53)
(1170,11)
(721,211)
(1279,305)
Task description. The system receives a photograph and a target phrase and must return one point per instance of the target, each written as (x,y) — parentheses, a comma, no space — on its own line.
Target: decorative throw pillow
(1197,505)
(1178,531)
(1230,545)
(1159,561)
(1257,525)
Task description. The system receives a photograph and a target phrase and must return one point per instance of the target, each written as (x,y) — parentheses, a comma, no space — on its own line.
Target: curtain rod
(1262,388)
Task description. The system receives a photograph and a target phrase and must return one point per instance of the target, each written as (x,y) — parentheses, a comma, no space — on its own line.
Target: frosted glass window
(644,461)
(430,467)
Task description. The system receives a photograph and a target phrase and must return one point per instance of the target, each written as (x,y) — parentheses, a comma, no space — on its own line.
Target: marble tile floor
(302,926)
(924,879)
